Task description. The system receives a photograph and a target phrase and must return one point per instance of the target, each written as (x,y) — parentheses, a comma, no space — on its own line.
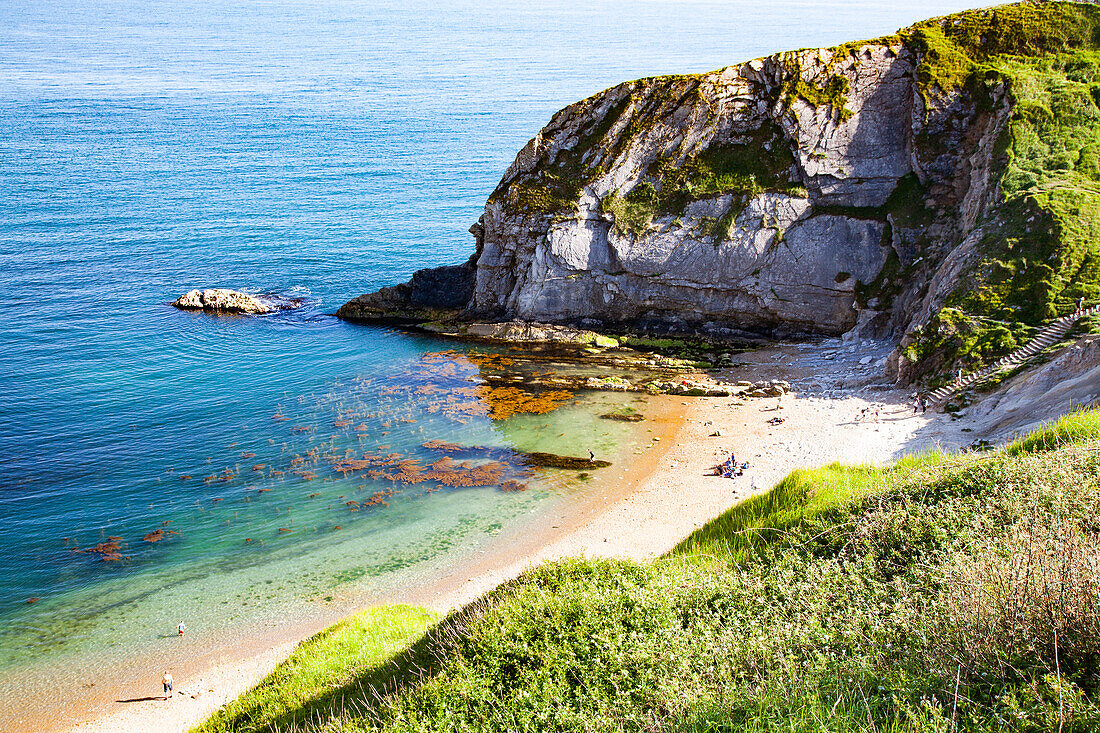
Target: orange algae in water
(441,445)
(377,499)
(507,401)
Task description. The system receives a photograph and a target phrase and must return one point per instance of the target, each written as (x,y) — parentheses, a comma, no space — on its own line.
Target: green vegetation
(1041,250)
(833,94)
(324,671)
(556,185)
(759,161)
(633,212)
(949,592)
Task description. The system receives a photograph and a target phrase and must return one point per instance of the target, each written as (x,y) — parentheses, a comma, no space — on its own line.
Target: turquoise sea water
(319,150)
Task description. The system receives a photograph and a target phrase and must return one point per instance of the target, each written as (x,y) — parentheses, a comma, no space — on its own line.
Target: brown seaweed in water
(107,551)
(377,499)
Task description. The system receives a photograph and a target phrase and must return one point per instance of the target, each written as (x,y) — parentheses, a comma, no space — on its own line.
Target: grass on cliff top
(949,592)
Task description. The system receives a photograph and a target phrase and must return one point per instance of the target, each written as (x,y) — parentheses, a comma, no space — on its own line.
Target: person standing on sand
(181,628)
(167,682)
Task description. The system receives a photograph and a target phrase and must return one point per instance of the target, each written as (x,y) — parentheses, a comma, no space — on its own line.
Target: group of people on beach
(870,413)
(730,468)
(918,401)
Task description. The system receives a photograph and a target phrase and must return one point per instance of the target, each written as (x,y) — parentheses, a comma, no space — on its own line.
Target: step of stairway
(1047,337)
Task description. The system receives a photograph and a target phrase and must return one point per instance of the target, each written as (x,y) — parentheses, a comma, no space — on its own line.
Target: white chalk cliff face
(757,197)
(819,191)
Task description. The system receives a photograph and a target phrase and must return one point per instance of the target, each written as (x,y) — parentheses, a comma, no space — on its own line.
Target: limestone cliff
(817,191)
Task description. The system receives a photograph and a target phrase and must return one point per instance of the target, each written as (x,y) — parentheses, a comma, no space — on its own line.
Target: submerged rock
(623,416)
(525,332)
(220,300)
(552,460)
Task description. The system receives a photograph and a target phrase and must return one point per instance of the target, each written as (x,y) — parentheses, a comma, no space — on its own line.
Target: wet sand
(639,513)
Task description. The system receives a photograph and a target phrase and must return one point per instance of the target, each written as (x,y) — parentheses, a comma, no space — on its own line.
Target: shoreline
(237,658)
(637,514)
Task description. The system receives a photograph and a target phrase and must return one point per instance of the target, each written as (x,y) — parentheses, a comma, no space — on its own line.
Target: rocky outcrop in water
(431,293)
(220,300)
(859,189)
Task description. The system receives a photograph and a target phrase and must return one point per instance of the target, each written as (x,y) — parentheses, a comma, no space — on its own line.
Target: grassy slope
(323,670)
(902,599)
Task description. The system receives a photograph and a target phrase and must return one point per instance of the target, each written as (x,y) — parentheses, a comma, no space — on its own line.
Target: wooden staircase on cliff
(1048,336)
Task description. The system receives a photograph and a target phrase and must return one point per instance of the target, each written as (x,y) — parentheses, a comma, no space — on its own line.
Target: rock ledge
(220,300)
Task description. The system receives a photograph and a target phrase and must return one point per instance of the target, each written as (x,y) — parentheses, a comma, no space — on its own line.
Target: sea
(160,466)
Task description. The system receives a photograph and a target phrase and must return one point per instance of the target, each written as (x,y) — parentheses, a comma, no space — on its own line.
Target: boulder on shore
(220,300)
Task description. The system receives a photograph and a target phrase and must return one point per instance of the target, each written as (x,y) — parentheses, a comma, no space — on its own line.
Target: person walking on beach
(167,682)
(181,628)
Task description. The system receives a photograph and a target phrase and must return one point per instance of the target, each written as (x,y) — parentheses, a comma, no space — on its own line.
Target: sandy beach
(636,514)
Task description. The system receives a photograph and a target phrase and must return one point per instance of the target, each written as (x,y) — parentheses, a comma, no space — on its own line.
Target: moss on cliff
(1041,249)
(833,93)
(634,211)
(555,186)
(756,161)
